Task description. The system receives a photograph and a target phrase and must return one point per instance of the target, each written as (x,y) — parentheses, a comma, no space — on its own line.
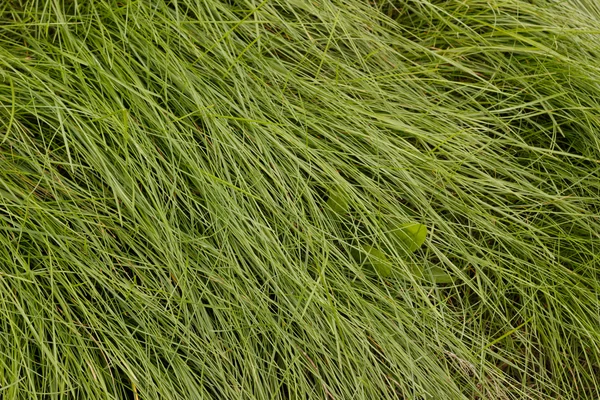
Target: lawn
(299,199)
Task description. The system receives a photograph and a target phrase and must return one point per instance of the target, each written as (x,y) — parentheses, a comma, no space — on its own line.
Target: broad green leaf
(439,275)
(374,258)
(433,274)
(338,203)
(411,235)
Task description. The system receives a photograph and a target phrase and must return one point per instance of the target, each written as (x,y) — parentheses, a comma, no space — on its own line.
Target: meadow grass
(189,188)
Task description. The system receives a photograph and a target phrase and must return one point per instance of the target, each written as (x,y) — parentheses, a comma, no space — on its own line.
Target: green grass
(166,224)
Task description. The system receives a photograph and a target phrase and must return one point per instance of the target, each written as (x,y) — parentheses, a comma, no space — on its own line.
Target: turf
(200,199)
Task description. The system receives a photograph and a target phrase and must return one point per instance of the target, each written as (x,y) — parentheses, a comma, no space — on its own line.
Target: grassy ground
(201,199)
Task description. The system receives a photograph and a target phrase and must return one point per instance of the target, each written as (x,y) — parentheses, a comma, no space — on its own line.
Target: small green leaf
(338,203)
(433,274)
(438,275)
(411,236)
(374,258)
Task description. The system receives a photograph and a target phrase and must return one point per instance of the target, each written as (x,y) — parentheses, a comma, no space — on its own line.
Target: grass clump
(166,170)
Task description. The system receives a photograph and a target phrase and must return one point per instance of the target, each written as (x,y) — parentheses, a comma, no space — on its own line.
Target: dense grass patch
(202,199)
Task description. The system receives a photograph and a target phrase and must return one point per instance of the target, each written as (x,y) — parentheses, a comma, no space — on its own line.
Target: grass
(165,175)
